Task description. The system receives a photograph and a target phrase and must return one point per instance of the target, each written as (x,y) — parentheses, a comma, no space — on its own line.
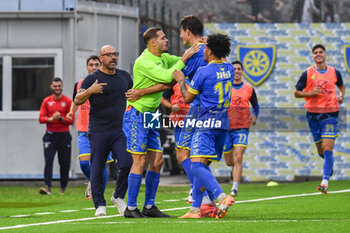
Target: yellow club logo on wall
(258,62)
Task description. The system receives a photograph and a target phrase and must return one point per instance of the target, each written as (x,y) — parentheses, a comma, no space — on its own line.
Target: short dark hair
(193,24)
(318,46)
(150,33)
(238,62)
(219,44)
(56,79)
(92,57)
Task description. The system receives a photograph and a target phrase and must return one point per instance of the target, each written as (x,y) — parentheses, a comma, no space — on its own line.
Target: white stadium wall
(284,154)
(67,37)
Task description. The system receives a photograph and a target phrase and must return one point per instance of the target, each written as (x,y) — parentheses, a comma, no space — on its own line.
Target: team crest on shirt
(258,62)
(347,57)
(63,104)
(50,103)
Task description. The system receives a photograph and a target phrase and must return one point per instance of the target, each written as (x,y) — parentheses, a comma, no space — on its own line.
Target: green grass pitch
(258,208)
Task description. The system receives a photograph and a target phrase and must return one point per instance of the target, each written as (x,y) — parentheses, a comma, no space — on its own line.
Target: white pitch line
(44,213)
(20,216)
(68,211)
(118,215)
(170,200)
(232,221)
(295,195)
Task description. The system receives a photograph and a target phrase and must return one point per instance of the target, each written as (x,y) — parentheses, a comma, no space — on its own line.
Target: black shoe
(133,213)
(154,212)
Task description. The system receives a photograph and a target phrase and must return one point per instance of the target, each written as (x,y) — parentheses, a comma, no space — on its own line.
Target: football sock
(325,182)
(85,167)
(206,178)
(327,164)
(197,194)
(210,194)
(186,164)
(221,197)
(134,181)
(206,200)
(235,185)
(194,209)
(105,178)
(152,182)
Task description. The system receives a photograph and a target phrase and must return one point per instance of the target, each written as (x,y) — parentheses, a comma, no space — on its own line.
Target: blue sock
(186,164)
(197,194)
(152,182)
(206,178)
(327,164)
(85,168)
(105,178)
(134,181)
(210,194)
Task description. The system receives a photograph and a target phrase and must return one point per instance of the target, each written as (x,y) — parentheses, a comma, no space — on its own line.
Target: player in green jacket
(152,67)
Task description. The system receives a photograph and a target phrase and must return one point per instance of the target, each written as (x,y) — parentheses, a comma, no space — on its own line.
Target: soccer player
(152,67)
(240,121)
(105,89)
(191,32)
(84,151)
(213,84)
(53,112)
(317,85)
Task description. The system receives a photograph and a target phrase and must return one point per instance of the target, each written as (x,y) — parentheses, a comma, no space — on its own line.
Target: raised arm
(83,95)
(159,74)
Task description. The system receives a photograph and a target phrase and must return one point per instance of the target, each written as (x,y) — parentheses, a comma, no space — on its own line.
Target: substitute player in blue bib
(214,84)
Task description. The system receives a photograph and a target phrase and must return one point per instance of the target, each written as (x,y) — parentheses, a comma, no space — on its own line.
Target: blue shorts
(323,125)
(138,138)
(187,133)
(236,137)
(84,147)
(208,144)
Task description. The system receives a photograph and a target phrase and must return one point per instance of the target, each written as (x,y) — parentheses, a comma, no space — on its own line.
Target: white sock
(235,185)
(194,209)
(325,182)
(221,196)
(206,200)
(148,206)
(131,208)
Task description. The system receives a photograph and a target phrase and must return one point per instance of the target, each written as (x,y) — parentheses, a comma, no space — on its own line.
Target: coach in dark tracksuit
(105,88)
